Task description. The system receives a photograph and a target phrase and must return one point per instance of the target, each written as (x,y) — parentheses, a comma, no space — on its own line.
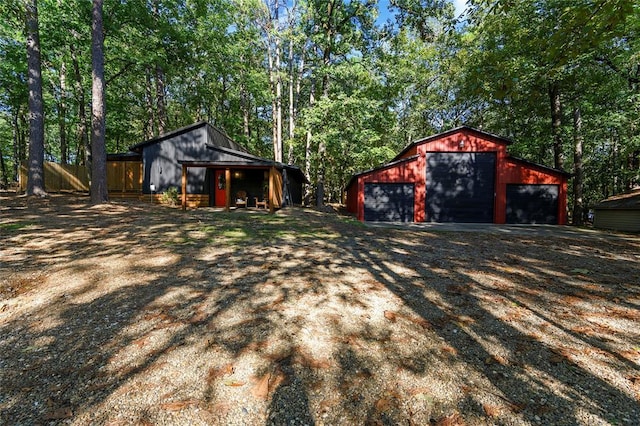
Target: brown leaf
(453,419)
(383,404)
(449,349)
(178,405)
(391,316)
(491,410)
(59,414)
(267,383)
(216,372)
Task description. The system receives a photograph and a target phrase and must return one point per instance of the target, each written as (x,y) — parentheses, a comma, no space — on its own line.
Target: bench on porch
(263,203)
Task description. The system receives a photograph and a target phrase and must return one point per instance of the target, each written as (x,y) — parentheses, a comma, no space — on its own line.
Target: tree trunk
(62,115)
(16,145)
(556,123)
(35,180)
(84,149)
(326,61)
(160,100)
(278,143)
(291,106)
(578,207)
(149,126)
(4,179)
(246,113)
(307,149)
(99,192)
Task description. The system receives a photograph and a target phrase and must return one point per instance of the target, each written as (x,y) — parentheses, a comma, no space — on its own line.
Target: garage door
(388,202)
(532,204)
(460,187)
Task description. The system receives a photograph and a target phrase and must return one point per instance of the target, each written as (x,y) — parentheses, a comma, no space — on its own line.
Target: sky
(383,5)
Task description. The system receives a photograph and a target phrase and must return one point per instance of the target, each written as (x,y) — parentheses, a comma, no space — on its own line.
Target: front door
(220,185)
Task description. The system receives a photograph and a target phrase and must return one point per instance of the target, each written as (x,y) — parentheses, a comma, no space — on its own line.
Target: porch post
(272,198)
(184,187)
(227,189)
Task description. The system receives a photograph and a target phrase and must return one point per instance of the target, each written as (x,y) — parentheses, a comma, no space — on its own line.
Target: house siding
(161,166)
(620,220)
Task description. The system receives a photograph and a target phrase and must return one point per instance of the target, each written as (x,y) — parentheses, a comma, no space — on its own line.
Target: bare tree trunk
(16,145)
(556,123)
(35,180)
(62,115)
(149,127)
(4,179)
(245,107)
(160,100)
(278,144)
(84,149)
(274,57)
(291,106)
(99,192)
(307,149)
(578,207)
(294,97)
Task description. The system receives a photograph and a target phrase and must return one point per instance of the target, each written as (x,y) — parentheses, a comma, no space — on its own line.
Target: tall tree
(35,179)
(99,192)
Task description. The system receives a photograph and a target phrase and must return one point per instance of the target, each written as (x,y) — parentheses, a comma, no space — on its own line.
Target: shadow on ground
(138,314)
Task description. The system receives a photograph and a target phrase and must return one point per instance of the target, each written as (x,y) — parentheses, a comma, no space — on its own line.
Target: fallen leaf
(452,419)
(391,316)
(178,405)
(491,410)
(233,383)
(383,404)
(449,349)
(217,372)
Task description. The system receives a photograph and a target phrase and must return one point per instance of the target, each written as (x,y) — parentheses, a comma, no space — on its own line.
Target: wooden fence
(122,177)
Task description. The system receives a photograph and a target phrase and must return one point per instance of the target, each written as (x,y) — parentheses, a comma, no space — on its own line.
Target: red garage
(462,175)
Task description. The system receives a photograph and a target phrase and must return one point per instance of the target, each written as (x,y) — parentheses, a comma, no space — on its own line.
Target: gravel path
(130,314)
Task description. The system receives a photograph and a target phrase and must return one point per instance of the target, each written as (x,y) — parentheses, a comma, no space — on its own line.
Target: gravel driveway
(131,314)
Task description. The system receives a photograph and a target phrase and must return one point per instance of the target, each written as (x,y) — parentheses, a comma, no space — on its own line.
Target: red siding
(465,140)
(517,172)
(409,171)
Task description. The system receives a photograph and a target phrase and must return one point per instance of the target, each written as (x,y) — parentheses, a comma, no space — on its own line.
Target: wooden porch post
(184,187)
(272,198)
(227,189)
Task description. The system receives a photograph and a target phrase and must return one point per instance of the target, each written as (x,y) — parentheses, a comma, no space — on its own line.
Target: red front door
(220,184)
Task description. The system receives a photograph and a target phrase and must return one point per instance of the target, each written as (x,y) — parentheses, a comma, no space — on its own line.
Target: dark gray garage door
(532,204)
(460,187)
(388,202)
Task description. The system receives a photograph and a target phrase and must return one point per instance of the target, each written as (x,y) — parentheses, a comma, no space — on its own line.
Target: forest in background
(339,86)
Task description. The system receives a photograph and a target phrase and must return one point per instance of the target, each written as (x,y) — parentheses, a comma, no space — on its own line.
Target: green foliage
(376,87)
(170,196)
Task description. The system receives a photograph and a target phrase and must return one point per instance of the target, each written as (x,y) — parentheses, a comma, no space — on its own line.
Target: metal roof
(626,201)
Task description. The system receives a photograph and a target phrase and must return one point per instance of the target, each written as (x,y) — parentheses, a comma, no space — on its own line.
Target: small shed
(208,167)
(462,175)
(620,212)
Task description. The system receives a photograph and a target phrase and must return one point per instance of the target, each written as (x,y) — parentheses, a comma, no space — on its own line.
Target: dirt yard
(132,314)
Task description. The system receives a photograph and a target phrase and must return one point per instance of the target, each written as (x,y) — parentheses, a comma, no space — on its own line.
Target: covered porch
(260,185)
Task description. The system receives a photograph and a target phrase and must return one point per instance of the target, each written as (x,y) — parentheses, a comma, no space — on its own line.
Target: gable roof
(431,138)
(215,136)
(627,201)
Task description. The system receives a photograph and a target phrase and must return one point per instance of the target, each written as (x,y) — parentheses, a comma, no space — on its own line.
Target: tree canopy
(338,86)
